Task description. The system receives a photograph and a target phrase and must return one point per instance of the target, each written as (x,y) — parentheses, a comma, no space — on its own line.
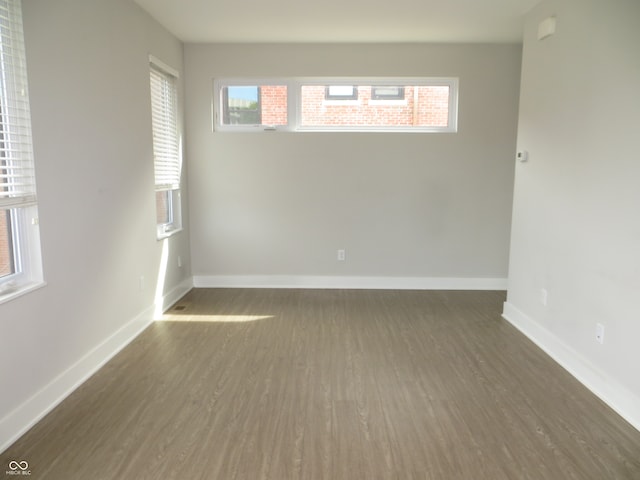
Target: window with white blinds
(20,261)
(164,113)
(166,147)
(17,178)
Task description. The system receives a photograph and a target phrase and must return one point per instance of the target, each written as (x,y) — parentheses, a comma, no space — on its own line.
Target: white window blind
(164,114)
(17,176)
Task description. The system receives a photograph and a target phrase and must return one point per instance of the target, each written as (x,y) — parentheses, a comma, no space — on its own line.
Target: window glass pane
(168,215)
(413,106)
(432,105)
(254,105)
(163,207)
(380,104)
(242,106)
(7,266)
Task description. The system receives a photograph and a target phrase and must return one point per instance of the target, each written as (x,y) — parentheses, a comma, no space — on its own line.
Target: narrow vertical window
(167,157)
(20,264)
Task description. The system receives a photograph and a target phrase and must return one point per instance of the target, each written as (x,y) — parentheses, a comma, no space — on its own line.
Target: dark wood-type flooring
(335,385)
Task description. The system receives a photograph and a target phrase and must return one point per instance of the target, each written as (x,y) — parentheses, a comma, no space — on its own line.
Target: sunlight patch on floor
(169,317)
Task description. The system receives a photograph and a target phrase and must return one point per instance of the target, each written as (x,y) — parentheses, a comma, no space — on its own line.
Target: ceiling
(333,21)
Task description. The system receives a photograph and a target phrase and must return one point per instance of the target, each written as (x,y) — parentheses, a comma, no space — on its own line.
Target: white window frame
(167,168)
(217,104)
(18,188)
(294,103)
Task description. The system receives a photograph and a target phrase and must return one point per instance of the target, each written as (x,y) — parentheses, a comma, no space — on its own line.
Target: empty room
(342,241)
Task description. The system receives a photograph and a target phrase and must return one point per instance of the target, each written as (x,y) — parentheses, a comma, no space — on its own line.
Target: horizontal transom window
(338,104)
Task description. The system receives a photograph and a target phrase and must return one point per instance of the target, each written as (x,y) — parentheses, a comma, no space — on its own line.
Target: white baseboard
(17,422)
(163,304)
(380,283)
(614,394)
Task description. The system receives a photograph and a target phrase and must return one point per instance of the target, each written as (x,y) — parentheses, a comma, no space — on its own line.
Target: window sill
(8,293)
(168,233)
(338,129)
(376,129)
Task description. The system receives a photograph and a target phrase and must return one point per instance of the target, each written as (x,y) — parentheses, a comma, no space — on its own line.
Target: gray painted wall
(89,87)
(576,222)
(402,205)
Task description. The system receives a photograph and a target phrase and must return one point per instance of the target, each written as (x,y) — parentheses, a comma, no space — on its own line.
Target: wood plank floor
(335,385)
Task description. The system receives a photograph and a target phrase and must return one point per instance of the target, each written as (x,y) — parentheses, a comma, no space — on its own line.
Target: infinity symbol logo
(13,465)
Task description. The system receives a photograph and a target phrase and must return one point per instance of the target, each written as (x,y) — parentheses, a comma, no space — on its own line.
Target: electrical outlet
(341,255)
(600,333)
(142,283)
(179,261)
(544,296)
